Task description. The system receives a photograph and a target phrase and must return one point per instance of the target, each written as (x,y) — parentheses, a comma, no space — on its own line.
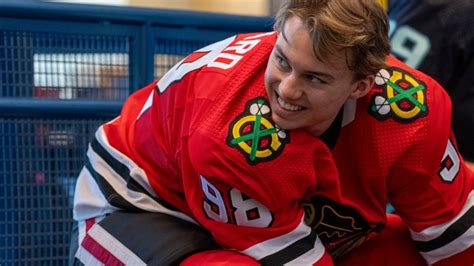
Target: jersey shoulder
(240,51)
(407,96)
(408,115)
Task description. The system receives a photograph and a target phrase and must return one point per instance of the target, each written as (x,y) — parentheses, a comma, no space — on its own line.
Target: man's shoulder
(405,108)
(406,95)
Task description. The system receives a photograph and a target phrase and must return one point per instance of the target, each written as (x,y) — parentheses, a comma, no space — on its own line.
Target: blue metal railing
(64,70)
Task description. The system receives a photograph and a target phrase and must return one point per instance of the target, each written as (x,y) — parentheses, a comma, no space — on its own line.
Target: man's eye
(315,79)
(281,61)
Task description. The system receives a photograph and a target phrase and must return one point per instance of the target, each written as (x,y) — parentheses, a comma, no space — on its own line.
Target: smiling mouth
(288,106)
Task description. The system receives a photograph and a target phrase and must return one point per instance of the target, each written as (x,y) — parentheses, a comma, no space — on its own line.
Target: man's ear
(362,87)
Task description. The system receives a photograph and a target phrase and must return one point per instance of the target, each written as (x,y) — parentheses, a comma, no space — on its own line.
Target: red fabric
(97,250)
(325,261)
(464,258)
(392,247)
(219,258)
(232,258)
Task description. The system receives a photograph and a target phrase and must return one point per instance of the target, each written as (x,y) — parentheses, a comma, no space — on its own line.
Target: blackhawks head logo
(403,97)
(340,227)
(255,135)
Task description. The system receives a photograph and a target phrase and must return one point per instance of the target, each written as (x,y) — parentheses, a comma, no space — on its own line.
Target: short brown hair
(358,27)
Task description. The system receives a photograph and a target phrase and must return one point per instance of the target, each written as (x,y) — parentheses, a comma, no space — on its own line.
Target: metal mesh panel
(39,163)
(169,51)
(64,66)
(59,52)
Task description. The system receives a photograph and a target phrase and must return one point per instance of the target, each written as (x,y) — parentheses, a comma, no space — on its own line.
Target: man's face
(303,91)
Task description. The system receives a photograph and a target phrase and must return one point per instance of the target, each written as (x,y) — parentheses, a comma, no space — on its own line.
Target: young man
(285,147)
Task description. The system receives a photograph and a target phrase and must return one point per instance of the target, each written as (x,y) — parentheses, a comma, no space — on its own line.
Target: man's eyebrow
(316,73)
(280,52)
(321,74)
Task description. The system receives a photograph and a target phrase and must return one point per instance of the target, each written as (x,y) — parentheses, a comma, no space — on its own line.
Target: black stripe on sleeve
(157,238)
(452,232)
(291,252)
(108,191)
(124,172)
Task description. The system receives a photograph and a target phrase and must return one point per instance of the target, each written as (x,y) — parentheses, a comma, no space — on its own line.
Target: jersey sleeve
(432,188)
(133,158)
(112,179)
(297,246)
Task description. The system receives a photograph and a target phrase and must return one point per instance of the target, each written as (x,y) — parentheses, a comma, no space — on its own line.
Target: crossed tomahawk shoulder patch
(402,97)
(255,135)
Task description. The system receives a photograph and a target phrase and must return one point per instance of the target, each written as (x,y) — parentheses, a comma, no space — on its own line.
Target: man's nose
(289,87)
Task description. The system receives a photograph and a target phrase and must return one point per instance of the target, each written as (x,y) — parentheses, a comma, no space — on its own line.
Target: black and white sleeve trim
(442,241)
(298,247)
(111,176)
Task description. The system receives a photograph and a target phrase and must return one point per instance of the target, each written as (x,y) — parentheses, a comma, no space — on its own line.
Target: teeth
(288,106)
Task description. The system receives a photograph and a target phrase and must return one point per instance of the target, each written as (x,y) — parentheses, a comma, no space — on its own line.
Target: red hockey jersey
(200,145)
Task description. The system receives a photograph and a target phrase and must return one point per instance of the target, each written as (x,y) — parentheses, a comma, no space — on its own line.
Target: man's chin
(282,123)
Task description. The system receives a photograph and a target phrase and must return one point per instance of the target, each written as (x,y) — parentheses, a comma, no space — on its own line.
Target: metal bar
(44,108)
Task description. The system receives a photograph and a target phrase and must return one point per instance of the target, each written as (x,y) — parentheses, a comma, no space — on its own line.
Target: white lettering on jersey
(213,57)
(242,47)
(233,54)
(229,59)
(258,36)
(182,68)
(450,163)
(225,61)
(213,204)
(247,211)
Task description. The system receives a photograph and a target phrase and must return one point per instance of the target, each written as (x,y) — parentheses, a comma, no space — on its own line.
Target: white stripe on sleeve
(274,245)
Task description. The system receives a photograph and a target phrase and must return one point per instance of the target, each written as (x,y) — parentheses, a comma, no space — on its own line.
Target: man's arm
(112,180)
(145,238)
(436,198)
